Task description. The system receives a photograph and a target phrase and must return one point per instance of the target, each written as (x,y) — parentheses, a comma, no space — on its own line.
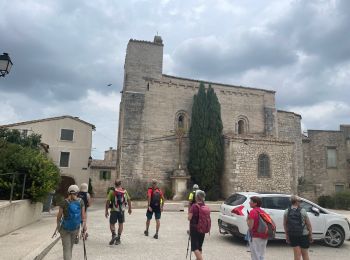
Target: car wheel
(334,236)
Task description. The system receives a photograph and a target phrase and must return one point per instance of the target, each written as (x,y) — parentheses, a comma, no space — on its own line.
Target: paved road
(172,242)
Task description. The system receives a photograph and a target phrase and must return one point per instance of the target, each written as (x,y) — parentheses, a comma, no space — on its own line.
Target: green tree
(206,153)
(16,137)
(21,154)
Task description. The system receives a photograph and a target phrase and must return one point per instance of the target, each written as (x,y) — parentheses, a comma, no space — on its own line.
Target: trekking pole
(83,235)
(188,244)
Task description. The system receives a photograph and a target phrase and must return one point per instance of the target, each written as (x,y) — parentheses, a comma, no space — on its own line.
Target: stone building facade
(103,173)
(326,162)
(263,146)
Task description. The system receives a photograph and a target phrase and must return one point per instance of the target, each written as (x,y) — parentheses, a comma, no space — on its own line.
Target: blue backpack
(72,221)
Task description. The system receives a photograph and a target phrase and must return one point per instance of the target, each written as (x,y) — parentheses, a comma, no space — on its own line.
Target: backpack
(119,198)
(84,197)
(193,197)
(294,222)
(155,197)
(265,225)
(72,220)
(204,221)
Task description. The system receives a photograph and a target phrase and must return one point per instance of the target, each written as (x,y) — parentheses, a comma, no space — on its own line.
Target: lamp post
(5,64)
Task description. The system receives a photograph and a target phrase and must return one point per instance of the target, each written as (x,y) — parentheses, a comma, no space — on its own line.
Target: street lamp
(5,64)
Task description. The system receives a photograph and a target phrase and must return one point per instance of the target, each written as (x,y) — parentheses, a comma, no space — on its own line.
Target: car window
(306,206)
(281,203)
(235,199)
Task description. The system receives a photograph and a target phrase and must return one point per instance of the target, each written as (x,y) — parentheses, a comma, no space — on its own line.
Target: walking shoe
(76,240)
(117,241)
(156,236)
(114,237)
(146,233)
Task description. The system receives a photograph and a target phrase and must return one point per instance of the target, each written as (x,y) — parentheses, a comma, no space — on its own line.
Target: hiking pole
(83,235)
(188,244)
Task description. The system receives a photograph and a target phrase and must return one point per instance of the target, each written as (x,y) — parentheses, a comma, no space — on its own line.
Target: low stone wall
(17,214)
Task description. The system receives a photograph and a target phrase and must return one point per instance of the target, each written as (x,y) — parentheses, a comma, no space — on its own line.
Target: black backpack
(155,197)
(84,197)
(295,222)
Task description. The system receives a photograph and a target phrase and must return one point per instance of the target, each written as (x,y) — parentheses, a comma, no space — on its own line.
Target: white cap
(84,187)
(73,189)
(195,186)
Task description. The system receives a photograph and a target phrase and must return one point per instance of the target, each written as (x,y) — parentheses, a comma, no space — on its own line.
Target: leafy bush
(326,201)
(137,189)
(213,194)
(90,188)
(42,175)
(168,193)
(342,200)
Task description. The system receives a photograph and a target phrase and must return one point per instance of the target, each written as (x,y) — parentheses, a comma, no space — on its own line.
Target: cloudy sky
(66,53)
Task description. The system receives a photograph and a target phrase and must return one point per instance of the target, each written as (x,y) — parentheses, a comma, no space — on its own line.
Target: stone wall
(241,165)
(289,129)
(315,161)
(18,214)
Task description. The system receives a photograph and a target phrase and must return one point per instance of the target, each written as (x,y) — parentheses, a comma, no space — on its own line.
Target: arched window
(242,125)
(241,129)
(181,120)
(263,166)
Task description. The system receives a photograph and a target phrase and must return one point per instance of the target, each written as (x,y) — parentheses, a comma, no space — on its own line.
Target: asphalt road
(172,242)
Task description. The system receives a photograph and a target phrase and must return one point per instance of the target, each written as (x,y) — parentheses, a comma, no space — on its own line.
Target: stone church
(264,148)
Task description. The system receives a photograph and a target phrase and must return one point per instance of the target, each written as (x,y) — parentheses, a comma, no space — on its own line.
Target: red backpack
(266,226)
(204,221)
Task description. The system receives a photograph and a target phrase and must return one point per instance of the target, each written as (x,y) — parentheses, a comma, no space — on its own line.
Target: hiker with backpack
(298,229)
(117,200)
(85,196)
(261,228)
(200,223)
(192,196)
(192,199)
(70,215)
(155,200)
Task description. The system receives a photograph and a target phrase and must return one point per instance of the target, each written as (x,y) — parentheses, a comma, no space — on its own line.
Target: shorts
(197,240)
(302,241)
(157,214)
(116,216)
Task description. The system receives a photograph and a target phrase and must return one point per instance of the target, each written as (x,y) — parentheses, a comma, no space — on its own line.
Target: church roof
(219,84)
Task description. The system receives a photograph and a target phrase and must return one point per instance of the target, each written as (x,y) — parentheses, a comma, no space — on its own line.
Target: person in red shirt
(258,240)
(155,205)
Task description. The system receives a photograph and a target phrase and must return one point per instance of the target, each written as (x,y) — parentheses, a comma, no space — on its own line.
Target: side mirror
(315,210)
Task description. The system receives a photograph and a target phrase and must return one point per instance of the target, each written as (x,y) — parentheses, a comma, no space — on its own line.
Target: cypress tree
(206,144)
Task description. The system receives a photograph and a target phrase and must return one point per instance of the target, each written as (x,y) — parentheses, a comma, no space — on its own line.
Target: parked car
(328,226)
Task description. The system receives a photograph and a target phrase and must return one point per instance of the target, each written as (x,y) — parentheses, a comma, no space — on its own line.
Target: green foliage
(57,199)
(340,200)
(137,189)
(42,175)
(16,137)
(90,188)
(326,201)
(206,155)
(168,193)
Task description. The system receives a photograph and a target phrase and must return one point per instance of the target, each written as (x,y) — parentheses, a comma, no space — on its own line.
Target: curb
(42,251)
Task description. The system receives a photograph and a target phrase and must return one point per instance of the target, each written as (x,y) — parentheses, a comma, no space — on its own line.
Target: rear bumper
(229,228)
